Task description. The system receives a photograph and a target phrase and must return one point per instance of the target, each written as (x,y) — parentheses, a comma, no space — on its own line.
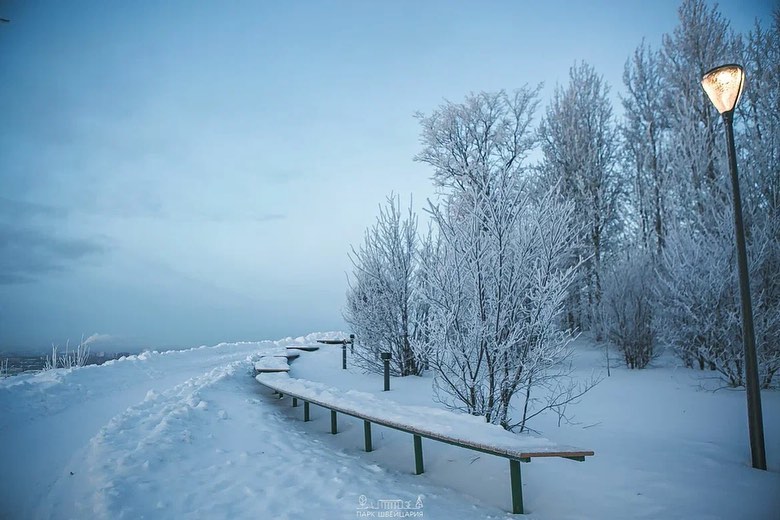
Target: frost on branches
(500,269)
(497,286)
(701,298)
(384,306)
(628,308)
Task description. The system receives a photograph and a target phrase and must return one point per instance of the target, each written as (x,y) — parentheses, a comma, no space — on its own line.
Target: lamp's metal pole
(752,389)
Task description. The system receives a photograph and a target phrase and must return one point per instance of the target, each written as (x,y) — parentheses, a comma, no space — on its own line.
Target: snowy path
(48,420)
(182,435)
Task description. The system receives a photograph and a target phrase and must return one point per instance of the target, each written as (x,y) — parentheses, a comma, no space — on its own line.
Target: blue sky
(183,173)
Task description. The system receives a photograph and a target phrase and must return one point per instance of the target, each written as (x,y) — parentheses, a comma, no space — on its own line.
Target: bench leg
(517,486)
(367,434)
(418,456)
(333,428)
(295,402)
(305,411)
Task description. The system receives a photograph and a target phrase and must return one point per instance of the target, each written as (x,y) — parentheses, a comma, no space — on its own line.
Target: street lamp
(723,86)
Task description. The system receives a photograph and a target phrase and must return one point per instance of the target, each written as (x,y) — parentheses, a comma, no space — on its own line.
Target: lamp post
(723,86)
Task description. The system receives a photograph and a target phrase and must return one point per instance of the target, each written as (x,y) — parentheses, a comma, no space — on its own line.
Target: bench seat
(270,364)
(458,429)
(305,348)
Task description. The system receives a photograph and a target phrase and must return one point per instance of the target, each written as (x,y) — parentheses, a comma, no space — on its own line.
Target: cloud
(27,253)
(23,210)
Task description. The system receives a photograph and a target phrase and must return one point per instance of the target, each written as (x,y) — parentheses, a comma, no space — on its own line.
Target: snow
(427,420)
(191,434)
(272,362)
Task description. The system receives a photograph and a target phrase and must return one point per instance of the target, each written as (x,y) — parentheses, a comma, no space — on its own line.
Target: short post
(344,355)
(305,411)
(333,425)
(295,402)
(386,361)
(351,343)
(367,434)
(517,486)
(418,456)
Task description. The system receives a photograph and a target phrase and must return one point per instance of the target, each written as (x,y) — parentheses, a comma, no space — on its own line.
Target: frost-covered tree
(765,280)
(700,310)
(643,131)
(759,117)
(480,142)
(759,163)
(699,42)
(701,301)
(498,267)
(628,307)
(384,306)
(580,146)
(496,289)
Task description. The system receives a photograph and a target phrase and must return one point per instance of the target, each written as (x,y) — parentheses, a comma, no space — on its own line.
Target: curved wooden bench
(461,430)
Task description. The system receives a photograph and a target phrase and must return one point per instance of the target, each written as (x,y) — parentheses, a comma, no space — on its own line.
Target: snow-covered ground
(191,434)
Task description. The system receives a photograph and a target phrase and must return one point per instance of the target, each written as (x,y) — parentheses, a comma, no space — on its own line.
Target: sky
(182,173)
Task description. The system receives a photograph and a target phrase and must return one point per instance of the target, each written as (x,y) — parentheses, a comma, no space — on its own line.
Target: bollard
(386,360)
(344,355)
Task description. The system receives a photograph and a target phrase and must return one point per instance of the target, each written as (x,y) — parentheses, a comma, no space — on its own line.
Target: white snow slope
(190,434)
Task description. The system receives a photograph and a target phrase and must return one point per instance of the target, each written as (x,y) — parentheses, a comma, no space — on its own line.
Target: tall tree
(499,270)
(580,146)
(700,41)
(643,131)
(698,269)
(758,112)
(760,171)
(496,288)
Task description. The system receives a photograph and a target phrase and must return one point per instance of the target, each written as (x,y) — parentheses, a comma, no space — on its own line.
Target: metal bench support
(333,425)
(517,486)
(367,434)
(295,402)
(305,411)
(418,456)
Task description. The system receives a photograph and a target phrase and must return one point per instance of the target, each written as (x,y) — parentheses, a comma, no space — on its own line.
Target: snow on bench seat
(269,364)
(460,429)
(282,353)
(306,348)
